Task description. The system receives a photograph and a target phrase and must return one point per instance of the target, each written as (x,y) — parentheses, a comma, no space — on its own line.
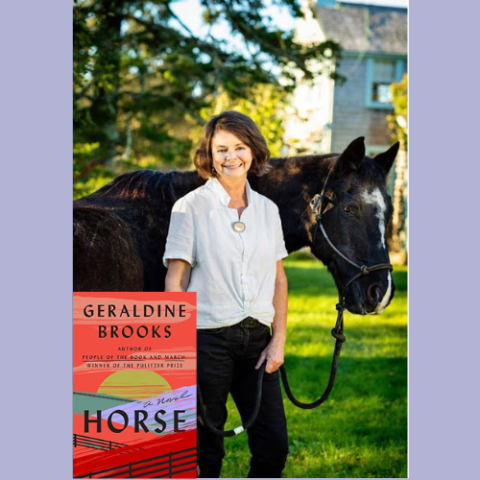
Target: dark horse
(120,231)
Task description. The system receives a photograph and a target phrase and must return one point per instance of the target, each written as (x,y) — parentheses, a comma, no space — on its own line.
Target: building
(326,116)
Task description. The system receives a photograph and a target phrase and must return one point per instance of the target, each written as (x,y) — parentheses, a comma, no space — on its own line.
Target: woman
(225,242)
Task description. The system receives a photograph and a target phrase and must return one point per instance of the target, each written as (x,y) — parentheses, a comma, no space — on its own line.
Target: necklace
(239,227)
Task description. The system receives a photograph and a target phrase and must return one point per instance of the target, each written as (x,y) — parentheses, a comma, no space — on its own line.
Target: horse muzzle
(370,296)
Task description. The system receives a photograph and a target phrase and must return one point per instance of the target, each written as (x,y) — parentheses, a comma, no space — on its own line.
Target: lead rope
(337,333)
(206,422)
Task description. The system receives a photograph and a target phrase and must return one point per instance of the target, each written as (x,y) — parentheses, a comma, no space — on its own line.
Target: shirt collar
(216,187)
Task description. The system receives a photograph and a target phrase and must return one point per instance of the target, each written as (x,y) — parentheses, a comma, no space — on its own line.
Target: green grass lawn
(361,430)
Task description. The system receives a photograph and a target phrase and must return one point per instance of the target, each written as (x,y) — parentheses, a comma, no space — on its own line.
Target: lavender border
(36,267)
(442,401)
(37,255)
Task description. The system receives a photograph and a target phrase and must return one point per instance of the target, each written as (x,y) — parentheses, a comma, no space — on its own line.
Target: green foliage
(361,430)
(400,108)
(85,159)
(266,105)
(144,83)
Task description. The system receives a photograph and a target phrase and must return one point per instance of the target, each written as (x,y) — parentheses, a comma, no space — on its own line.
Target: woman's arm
(178,276)
(274,352)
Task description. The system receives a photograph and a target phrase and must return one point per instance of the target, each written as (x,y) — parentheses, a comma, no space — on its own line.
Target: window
(380,74)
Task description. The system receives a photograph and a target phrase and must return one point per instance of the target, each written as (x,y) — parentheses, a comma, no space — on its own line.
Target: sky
(191,14)
(389,3)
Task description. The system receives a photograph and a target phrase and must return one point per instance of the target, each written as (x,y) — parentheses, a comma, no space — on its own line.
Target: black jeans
(226,363)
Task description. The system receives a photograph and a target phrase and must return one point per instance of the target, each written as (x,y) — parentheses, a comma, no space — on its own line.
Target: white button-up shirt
(233,273)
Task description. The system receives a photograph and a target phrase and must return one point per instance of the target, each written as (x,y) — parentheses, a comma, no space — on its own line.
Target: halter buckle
(316,204)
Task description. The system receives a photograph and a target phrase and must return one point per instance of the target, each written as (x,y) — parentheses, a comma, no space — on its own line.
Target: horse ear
(351,158)
(385,160)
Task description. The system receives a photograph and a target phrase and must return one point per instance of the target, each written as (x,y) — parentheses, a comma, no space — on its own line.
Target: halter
(317,205)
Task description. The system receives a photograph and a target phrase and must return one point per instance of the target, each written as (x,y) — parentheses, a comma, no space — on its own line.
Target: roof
(365,28)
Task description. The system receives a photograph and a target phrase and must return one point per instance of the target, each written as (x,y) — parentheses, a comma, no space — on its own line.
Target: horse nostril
(374,295)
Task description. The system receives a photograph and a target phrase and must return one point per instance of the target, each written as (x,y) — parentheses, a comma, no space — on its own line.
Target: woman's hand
(273,354)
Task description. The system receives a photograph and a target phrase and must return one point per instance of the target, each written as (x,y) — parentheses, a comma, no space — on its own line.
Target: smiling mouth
(232,167)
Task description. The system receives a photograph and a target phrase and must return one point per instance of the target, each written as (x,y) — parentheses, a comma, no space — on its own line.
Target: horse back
(104,256)
(120,231)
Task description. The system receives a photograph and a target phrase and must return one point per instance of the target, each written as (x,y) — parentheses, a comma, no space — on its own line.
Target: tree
(143,81)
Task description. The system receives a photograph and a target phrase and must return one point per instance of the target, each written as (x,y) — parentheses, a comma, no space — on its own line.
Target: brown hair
(242,127)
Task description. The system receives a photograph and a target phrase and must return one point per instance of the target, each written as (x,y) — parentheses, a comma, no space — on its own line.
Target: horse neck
(182,183)
(291,184)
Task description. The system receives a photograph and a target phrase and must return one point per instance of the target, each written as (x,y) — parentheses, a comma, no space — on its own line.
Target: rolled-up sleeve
(181,234)
(280,250)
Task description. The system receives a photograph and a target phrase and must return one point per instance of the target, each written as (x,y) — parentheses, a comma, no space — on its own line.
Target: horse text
(139,418)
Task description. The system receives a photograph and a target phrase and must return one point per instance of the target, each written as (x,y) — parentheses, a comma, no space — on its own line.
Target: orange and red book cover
(134,385)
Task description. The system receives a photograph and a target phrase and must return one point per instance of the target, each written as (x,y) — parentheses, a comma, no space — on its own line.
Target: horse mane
(145,184)
(302,164)
(303,159)
(135,184)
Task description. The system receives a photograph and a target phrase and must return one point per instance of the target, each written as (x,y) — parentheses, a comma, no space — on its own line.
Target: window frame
(400,69)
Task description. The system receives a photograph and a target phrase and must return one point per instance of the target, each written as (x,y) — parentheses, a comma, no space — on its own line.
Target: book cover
(134,385)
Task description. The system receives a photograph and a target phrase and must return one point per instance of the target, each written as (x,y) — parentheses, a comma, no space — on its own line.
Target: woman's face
(232,158)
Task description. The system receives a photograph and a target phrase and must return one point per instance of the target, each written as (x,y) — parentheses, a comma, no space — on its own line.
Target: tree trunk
(398,239)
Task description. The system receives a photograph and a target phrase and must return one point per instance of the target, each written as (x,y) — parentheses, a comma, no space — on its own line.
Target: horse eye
(348,209)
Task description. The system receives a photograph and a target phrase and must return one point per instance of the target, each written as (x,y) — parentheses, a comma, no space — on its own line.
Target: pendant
(239,227)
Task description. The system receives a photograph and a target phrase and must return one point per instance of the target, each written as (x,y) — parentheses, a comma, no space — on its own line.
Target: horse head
(356,210)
